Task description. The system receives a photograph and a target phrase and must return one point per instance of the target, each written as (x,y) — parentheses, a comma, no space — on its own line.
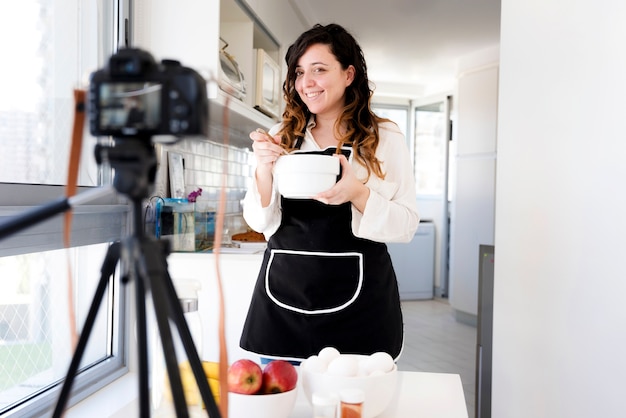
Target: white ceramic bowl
(379,389)
(301,176)
(274,405)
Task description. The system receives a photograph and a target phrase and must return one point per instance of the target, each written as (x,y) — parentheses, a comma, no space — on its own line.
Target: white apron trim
(314,253)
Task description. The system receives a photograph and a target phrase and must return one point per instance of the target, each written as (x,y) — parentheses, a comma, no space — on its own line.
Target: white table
(419,395)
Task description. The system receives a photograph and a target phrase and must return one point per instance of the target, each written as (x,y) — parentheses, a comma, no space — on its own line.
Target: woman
(326,277)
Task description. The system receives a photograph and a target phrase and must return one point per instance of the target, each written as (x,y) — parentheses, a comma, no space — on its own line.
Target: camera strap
(219,233)
(70,190)
(74,160)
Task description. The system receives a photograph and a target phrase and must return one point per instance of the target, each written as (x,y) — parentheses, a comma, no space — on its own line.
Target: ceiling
(411,46)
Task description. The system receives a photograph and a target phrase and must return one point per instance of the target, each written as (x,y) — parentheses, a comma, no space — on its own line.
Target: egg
(345,366)
(379,361)
(315,364)
(363,367)
(328,354)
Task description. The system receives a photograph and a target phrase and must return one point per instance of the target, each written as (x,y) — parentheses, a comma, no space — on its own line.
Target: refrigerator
(414,263)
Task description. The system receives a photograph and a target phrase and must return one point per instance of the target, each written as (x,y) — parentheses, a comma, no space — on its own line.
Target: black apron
(321,286)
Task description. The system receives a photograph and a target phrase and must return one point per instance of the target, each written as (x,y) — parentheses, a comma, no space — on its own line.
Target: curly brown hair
(361,123)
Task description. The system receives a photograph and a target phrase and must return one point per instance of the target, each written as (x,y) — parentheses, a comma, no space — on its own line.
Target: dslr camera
(136,97)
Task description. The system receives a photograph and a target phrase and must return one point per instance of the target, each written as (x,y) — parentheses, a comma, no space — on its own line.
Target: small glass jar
(351,403)
(324,405)
(187,292)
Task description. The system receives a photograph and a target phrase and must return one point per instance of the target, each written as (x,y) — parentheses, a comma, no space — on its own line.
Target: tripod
(134,162)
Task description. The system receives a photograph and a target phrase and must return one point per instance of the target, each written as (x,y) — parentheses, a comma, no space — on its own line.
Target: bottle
(351,403)
(187,295)
(187,292)
(324,405)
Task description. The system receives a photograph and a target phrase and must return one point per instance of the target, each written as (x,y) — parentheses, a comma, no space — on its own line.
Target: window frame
(111,217)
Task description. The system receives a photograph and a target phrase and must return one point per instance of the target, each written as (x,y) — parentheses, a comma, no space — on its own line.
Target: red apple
(279,376)
(245,376)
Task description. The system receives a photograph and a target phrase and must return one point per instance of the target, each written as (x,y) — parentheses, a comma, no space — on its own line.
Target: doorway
(432,128)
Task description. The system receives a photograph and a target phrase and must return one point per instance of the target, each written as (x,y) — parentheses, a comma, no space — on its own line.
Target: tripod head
(135,164)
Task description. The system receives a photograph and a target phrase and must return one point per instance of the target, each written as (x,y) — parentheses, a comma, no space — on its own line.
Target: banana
(211,369)
(214,384)
(190,387)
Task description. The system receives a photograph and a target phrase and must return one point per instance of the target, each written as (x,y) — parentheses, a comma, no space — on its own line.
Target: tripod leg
(177,316)
(164,290)
(169,352)
(142,345)
(107,270)
(152,282)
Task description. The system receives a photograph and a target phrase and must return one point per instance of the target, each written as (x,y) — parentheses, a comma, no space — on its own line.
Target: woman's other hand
(348,189)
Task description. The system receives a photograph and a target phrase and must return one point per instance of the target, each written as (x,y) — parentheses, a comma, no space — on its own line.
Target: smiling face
(321,81)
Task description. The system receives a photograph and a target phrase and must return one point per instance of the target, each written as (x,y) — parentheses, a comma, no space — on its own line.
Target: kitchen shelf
(242,119)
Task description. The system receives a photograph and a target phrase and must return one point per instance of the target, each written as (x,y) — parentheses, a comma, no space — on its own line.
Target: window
(431,149)
(398,114)
(48,49)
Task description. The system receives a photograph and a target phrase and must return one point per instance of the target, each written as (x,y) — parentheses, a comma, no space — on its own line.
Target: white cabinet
(238,274)
(185,30)
(414,263)
(473,214)
(189,31)
(474,200)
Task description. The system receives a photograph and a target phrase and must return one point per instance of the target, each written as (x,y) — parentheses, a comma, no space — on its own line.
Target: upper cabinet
(221,40)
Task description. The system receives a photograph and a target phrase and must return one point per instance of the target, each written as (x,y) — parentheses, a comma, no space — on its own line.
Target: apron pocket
(313,282)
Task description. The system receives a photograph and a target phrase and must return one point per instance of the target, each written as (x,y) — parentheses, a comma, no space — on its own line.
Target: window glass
(43,62)
(49,47)
(430,150)
(35,339)
(398,114)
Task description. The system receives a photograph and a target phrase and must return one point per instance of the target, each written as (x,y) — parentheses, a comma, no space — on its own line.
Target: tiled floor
(436,342)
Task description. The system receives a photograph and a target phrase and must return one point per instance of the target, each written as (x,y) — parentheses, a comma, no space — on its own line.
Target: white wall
(560,270)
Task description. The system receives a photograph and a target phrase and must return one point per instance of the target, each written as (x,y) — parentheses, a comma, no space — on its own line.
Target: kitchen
(542,273)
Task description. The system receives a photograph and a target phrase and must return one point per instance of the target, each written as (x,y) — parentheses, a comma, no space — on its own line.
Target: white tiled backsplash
(204,164)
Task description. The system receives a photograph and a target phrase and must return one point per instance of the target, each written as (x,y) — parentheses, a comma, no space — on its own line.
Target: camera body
(136,97)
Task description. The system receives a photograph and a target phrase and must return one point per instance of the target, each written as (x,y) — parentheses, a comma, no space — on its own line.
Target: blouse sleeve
(390,213)
(259,218)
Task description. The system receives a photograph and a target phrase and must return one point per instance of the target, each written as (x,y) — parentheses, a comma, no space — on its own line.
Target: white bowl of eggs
(330,371)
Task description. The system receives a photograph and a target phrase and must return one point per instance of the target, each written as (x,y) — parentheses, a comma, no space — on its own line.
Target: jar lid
(324,398)
(187,288)
(189,305)
(352,395)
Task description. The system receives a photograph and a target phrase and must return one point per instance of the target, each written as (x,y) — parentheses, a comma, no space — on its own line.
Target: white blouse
(391,210)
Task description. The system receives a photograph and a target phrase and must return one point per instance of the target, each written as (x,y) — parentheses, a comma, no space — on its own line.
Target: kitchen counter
(423,395)
(419,395)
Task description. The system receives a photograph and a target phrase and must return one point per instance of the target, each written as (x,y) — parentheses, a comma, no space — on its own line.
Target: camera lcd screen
(130,106)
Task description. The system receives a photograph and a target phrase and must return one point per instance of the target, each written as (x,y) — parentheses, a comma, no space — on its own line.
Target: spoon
(269,138)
